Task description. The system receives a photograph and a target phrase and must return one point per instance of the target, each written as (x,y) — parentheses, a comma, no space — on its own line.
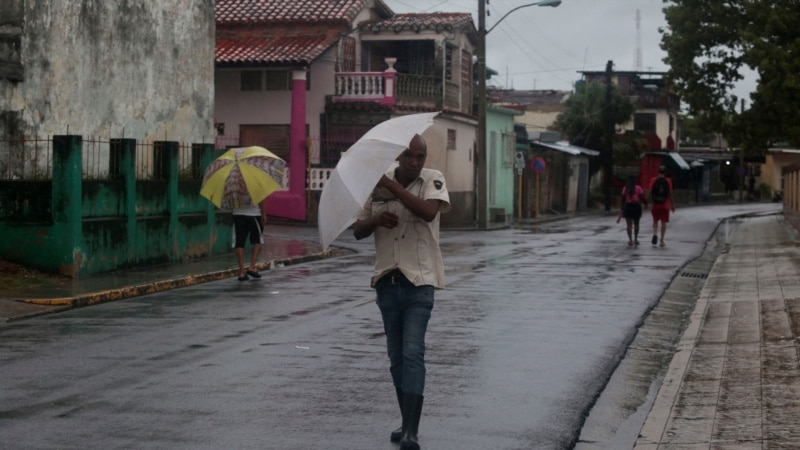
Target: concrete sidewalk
(734,382)
(283,245)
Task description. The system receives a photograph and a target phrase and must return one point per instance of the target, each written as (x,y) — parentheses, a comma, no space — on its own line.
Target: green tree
(584,124)
(691,133)
(709,43)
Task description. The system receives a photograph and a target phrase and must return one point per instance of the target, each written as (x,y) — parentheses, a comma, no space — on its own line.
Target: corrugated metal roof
(566,147)
(783,150)
(676,158)
(308,11)
(528,97)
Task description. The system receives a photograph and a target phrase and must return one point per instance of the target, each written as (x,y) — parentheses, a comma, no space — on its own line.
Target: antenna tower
(638,60)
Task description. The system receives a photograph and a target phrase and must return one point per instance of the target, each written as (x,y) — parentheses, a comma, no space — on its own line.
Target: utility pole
(482,158)
(608,155)
(481,166)
(741,169)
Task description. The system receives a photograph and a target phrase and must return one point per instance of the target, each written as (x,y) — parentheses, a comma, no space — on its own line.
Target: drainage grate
(694,275)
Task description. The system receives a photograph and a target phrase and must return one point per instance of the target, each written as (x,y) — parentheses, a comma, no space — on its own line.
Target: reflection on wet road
(521,342)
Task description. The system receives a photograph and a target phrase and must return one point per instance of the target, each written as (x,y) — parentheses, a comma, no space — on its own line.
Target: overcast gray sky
(545,48)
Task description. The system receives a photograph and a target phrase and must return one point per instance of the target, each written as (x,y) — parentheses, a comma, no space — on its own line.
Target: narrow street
(521,344)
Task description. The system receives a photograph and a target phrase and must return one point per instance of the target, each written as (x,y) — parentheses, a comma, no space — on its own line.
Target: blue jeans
(405,309)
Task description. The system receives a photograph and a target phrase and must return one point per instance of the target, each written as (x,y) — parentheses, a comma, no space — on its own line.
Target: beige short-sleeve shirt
(412,246)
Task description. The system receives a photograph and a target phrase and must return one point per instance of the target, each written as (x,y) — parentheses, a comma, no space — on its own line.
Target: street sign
(537,164)
(519,162)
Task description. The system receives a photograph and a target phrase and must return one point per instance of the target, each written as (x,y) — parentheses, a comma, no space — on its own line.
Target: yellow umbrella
(246,171)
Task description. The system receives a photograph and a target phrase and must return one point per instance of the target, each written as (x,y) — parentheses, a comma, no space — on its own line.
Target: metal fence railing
(95,159)
(26,159)
(32,159)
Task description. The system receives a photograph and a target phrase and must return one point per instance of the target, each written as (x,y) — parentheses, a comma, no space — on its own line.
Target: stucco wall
(236,107)
(500,126)
(457,165)
(141,70)
(662,125)
(537,120)
(774,162)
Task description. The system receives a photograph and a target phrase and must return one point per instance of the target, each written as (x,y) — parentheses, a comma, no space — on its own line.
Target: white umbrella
(360,169)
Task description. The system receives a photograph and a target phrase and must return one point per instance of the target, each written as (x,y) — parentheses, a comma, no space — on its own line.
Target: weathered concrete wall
(142,70)
(77,226)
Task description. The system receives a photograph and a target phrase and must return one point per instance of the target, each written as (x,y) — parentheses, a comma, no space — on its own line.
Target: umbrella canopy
(359,170)
(246,171)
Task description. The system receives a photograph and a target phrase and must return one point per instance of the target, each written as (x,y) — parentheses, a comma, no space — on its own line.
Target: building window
(645,122)
(251,80)
(348,54)
(269,80)
(11,27)
(451,139)
(277,80)
(466,68)
(448,63)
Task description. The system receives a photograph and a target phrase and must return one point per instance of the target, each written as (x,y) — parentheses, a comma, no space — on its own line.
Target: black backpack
(660,190)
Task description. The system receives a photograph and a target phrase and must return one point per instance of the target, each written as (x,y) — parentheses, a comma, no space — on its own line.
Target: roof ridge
(264,11)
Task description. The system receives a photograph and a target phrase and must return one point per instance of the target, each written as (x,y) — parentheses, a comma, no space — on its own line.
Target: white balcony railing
(367,86)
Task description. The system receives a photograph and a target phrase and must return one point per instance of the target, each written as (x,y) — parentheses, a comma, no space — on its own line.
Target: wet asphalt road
(520,345)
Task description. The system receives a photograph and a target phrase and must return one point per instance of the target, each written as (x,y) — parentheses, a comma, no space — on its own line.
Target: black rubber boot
(398,433)
(412,410)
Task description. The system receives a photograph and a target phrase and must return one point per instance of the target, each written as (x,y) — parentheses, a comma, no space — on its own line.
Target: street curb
(674,302)
(165,285)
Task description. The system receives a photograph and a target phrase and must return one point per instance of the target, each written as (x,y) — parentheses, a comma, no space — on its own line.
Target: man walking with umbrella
(403,213)
(239,180)
(248,224)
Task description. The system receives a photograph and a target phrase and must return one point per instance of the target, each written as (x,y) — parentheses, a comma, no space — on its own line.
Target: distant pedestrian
(248,224)
(403,213)
(660,195)
(632,199)
(751,188)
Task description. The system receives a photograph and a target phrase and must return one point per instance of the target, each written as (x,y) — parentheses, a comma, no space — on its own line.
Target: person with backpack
(660,196)
(633,197)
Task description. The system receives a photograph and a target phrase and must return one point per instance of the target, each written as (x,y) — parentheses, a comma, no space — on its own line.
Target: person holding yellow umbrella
(240,180)
(248,224)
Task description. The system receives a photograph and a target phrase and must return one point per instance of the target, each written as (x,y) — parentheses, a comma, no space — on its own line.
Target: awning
(566,147)
(674,159)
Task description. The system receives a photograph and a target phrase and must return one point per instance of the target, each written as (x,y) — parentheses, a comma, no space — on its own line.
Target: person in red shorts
(660,195)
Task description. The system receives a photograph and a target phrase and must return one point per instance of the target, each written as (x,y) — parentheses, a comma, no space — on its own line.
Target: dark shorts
(632,210)
(244,227)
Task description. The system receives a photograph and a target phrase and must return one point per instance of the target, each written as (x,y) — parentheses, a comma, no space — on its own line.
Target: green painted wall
(500,168)
(80,227)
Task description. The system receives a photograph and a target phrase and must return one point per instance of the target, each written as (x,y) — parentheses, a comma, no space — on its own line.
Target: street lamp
(483,219)
(553,3)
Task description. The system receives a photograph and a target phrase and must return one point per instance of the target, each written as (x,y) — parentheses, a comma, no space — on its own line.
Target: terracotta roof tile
(308,11)
(273,45)
(437,21)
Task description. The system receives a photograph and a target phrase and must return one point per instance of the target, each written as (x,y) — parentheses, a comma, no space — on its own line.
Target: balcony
(391,88)
(656,100)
